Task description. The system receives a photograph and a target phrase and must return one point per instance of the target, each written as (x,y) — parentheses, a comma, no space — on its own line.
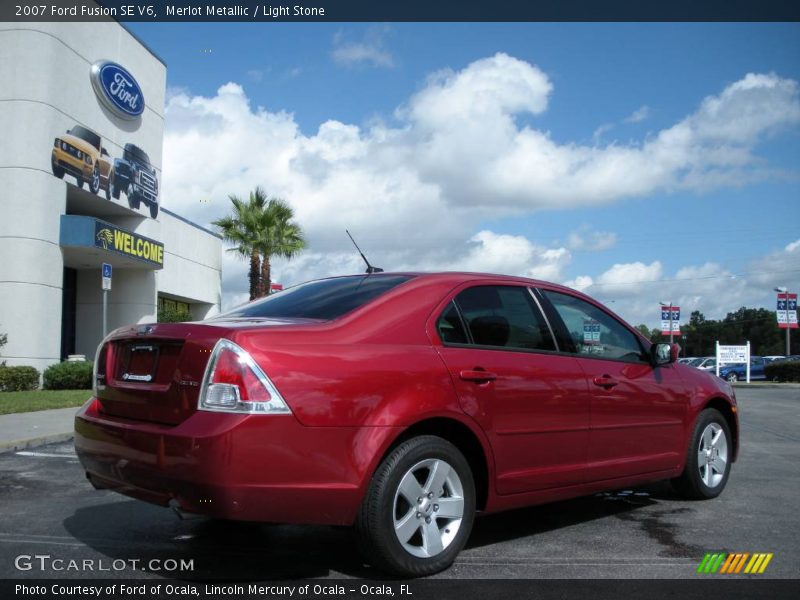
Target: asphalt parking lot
(48,508)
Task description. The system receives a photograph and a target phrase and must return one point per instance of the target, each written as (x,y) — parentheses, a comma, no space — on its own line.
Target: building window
(173,311)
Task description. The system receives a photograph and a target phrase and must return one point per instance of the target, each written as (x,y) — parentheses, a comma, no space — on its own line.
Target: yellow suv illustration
(80,153)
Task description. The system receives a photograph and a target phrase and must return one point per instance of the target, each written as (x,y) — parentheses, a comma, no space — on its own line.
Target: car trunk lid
(154,372)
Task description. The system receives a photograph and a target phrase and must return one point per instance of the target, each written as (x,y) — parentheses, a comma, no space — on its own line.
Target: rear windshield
(87,135)
(325,299)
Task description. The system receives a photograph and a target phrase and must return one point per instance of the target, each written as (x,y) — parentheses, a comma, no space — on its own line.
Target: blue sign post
(106,287)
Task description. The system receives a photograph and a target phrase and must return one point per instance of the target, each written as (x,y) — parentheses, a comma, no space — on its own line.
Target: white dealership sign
(727,355)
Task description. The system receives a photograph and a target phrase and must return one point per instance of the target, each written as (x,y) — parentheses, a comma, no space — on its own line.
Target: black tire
(691,484)
(375,525)
(732,378)
(114,189)
(153,210)
(94,182)
(108,185)
(79,181)
(58,171)
(133,200)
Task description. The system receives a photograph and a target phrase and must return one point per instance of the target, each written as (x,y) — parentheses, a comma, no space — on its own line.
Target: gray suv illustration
(134,175)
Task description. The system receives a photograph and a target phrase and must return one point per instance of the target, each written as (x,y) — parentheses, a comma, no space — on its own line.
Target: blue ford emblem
(117,89)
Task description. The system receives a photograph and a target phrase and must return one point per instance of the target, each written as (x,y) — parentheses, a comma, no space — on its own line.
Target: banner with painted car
(115,239)
(82,153)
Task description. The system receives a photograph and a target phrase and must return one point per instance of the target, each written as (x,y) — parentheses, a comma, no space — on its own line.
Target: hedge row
(18,379)
(68,376)
(783,370)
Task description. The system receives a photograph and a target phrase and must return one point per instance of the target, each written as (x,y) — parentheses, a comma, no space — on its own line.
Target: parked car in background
(400,404)
(770,359)
(708,363)
(686,360)
(738,372)
(135,176)
(80,153)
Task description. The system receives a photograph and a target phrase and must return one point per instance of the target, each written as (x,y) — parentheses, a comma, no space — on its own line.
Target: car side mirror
(664,354)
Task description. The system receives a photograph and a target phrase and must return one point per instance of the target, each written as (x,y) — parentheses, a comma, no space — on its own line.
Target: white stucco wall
(45,89)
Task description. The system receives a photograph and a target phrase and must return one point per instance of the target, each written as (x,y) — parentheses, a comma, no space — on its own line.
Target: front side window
(496,316)
(595,332)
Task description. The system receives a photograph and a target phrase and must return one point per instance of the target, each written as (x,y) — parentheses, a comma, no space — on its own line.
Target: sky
(638,163)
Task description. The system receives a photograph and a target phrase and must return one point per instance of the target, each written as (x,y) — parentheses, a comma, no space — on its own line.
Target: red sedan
(401,404)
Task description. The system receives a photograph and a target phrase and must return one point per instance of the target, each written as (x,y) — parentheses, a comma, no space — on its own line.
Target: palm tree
(279,236)
(260,228)
(240,230)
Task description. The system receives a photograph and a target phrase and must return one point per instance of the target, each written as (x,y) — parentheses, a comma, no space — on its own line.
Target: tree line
(759,326)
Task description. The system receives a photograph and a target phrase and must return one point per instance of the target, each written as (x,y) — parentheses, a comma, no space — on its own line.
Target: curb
(15,445)
(767,384)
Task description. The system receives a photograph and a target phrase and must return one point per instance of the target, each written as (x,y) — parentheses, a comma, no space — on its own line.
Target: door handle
(478,375)
(605,381)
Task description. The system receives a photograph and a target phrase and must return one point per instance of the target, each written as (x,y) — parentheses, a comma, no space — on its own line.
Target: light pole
(785,291)
(669,304)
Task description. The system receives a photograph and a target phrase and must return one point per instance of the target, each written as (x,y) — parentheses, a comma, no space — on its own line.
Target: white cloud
(591,241)
(634,290)
(416,193)
(639,115)
(370,50)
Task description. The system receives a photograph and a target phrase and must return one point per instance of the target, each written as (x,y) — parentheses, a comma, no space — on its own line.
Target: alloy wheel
(712,455)
(428,508)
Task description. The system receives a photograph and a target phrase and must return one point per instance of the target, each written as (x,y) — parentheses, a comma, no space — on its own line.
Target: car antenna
(370,268)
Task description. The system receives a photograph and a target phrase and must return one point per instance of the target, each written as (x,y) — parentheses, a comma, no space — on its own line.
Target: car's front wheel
(133,199)
(708,462)
(418,511)
(732,378)
(94,182)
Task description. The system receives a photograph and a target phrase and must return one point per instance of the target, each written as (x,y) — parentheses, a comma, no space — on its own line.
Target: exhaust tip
(182,514)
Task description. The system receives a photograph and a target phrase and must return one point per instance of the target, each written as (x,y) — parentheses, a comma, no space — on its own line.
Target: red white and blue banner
(787,315)
(676,320)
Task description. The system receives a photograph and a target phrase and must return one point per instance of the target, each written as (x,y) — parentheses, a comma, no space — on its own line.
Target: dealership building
(82,117)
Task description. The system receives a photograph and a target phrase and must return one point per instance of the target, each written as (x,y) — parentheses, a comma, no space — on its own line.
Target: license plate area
(139,363)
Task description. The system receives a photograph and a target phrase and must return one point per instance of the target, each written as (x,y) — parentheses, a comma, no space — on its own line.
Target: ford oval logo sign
(117,89)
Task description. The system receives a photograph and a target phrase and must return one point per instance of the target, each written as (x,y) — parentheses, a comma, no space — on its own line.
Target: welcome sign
(114,239)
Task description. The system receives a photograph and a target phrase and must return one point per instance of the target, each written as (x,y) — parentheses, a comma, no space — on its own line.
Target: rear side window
(595,332)
(497,316)
(325,299)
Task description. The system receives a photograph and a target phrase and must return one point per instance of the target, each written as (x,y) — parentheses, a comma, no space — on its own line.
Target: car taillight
(233,382)
(99,370)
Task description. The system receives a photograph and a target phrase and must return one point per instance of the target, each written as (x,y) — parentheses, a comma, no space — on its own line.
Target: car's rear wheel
(418,511)
(732,378)
(708,460)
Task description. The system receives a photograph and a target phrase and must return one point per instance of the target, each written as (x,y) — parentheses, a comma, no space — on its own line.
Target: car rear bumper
(246,467)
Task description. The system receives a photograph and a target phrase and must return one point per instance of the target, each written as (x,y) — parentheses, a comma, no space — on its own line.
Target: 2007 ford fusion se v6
(400,404)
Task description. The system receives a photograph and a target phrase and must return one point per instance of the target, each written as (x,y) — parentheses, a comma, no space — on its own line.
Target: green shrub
(69,376)
(18,379)
(783,370)
(3,342)
(174,315)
